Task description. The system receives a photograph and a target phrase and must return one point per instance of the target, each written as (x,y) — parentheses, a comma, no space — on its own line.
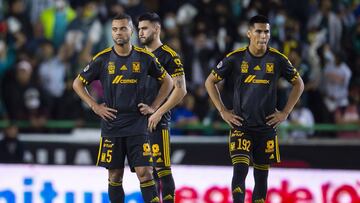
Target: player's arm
(100,109)
(164,91)
(213,91)
(175,97)
(279,116)
(296,91)
(156,70)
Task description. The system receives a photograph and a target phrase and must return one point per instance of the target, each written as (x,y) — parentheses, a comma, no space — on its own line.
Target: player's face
(147,32)
(121,31)
(259,35)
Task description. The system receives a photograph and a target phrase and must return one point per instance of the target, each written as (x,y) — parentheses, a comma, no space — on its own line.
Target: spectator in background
(202,51)
(184,115)
(304,70)
(336,81)
(23,98)
(325,19)
(349,114)
(55,20)
(301,116)
(85,30)
(11,148)
(7,57)
(53,77)
(18,16)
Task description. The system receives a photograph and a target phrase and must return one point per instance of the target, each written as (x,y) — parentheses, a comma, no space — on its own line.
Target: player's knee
(144,173)
(116,175)
(163,171)
(158,169)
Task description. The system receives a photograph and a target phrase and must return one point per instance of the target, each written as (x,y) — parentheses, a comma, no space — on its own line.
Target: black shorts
(113,150)
(261,149)
(160,147)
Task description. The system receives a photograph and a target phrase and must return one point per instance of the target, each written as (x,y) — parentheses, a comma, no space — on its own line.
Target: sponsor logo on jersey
(244,67)
(252,79)
(111,67)
(136,67)
(120,80)
(269,68)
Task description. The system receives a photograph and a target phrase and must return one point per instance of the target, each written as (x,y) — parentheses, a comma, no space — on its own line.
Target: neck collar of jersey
(132,48)
(248,50)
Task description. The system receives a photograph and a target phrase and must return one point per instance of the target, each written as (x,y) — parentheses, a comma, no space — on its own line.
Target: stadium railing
(198,128)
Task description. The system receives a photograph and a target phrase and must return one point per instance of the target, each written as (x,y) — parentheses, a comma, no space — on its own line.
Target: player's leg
(238,181)
(139,154)
(167,184)
(261,172)
(112,156)
(115,187)
(160,147)
(239,147)
(266,151)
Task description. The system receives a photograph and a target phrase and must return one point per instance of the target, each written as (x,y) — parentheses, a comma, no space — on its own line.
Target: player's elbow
(76,84)
(180,91)
(183,91)
(299,84)
(209,82)
(167,82)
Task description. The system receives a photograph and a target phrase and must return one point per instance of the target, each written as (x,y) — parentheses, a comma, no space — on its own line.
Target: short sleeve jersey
(253,83)
(171,62)
(123,81)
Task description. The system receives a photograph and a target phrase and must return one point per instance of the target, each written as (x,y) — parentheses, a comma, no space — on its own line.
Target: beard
(146,41)
(121,41)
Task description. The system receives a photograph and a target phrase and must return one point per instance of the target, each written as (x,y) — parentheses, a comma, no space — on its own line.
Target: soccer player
(149,35)
(251,75)
(122,71)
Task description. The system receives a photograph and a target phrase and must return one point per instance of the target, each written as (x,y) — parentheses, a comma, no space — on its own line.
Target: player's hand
(104,112)
(145,109)
(230,118)
(154,119)
(276,118)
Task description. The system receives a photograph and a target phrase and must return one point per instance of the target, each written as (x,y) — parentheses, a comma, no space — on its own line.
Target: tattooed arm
(175,97)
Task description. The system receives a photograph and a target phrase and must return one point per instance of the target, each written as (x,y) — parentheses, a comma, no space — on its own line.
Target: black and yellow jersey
(252,82)
(123,80)
(171,62)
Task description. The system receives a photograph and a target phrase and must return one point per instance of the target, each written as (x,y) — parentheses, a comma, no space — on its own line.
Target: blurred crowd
(45,43)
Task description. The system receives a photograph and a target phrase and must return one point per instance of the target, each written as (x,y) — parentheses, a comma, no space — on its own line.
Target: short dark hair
(258,19)
(150,16)
(122,16)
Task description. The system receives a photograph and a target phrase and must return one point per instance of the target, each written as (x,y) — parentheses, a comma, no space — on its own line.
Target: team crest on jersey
(219,65)
(244,67)
(111,67)
(269,68)
(86,68)
(136,67)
